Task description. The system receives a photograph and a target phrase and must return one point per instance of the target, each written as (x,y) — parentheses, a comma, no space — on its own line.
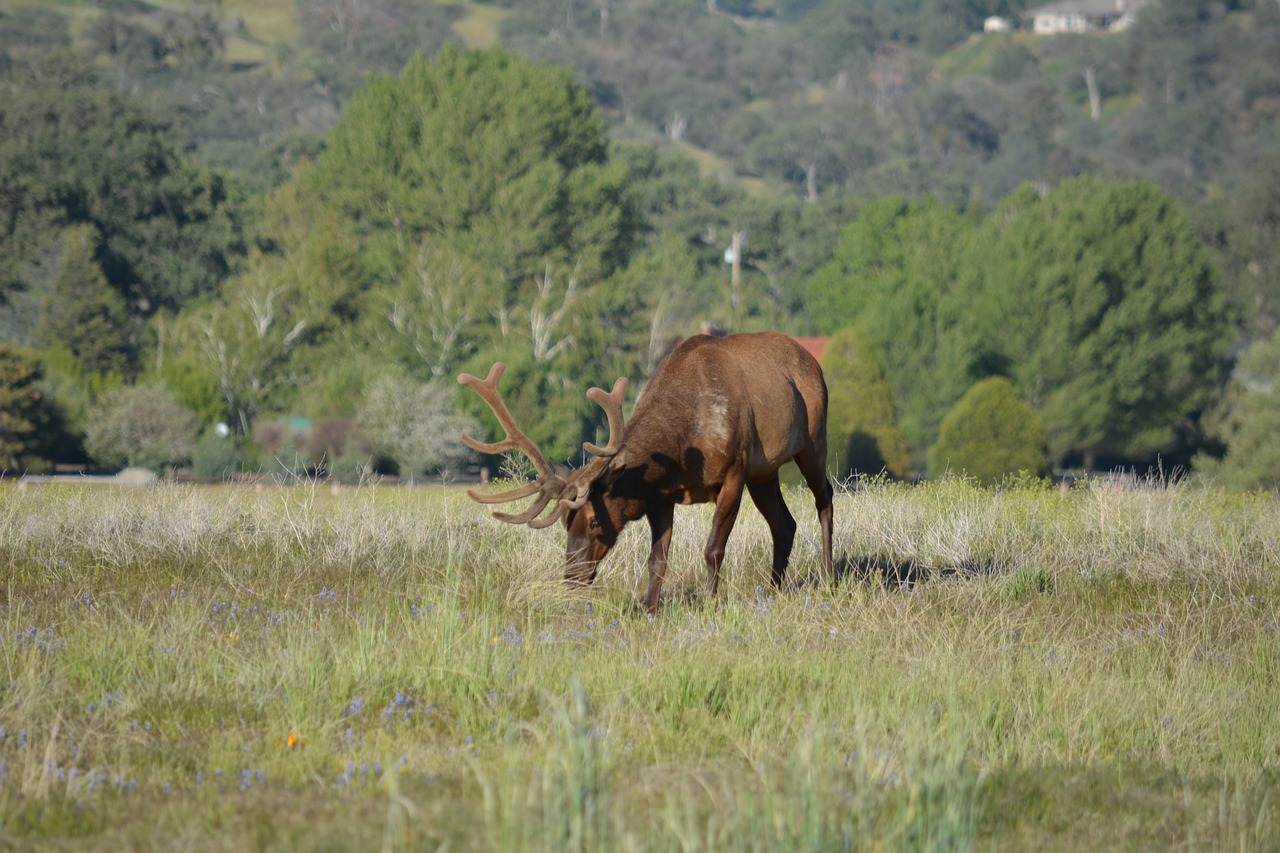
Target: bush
(862,430)
(141,426)
(1247,422)
(216,457)
(282,450)
(415,425)
(990,434)
(356,464)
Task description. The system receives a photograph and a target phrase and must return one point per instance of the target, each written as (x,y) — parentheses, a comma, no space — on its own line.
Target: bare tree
(415,424)
(549,314)
(435,306)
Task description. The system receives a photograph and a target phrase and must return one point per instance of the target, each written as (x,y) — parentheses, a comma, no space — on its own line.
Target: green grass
(295,668)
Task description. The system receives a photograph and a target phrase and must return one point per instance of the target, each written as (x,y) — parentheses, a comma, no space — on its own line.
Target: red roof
(815,346)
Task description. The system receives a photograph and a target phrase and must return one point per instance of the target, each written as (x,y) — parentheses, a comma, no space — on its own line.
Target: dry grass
(392,667)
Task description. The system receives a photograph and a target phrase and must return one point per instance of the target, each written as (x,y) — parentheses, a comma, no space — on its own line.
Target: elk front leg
(661,520)
(727,503)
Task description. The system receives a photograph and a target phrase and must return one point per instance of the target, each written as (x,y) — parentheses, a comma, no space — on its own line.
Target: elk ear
(610,476)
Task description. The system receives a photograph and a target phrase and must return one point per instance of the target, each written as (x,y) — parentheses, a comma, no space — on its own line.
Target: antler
(582,479)
(515,438)
(549,485)
(612,405)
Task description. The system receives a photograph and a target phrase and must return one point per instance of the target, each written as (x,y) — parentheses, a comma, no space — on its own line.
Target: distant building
(816,346)
(1080,16)
(996,24)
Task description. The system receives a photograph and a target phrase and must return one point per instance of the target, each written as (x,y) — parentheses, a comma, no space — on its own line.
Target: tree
(990,434)
(354,37)
(505,159)
(287,316)
(1247,422)
(862,432)
(169,228)
(247,339)
(1100,302)
(415,424)
(433,313)
(82,310)
(483,210)
(140,426)
(1242,225)
(22,411)
(894,274)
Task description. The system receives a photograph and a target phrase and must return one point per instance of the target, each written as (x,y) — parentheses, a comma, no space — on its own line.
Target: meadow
(381,667)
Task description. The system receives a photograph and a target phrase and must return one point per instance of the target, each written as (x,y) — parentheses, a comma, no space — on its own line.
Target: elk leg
(661,518)
(814,468)
(767,497)
(726,514)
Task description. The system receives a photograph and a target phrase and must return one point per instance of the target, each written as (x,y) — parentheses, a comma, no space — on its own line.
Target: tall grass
(231,669)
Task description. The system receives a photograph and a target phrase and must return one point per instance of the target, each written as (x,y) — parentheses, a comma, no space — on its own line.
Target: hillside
(151,172)
(814,96)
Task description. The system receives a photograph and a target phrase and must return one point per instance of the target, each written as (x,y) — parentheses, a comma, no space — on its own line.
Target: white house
(1079,16)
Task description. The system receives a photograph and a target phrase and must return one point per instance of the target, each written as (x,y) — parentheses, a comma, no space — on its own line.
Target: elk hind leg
(813,466)
(767,497)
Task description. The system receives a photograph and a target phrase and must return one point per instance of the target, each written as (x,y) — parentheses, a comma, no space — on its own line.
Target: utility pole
(734,275)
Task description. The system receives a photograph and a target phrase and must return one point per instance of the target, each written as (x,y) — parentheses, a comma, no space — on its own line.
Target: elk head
(591,522)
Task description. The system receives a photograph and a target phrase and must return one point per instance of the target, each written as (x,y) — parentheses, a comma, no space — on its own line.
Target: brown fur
(720,416)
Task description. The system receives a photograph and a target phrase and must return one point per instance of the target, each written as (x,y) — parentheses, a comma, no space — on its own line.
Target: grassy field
(381,667)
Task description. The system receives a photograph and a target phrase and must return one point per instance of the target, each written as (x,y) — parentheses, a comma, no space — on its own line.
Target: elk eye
(594,524)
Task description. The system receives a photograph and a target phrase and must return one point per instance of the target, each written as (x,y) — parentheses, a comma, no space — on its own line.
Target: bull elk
(720,415)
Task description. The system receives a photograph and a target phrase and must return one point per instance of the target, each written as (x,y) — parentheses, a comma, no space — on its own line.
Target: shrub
(142,426)
(282,450)
(990,434)
(862,430)
(216,457)
(415,425)
(1246,422)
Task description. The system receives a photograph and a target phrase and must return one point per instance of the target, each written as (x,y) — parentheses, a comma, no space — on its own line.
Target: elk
(720,415)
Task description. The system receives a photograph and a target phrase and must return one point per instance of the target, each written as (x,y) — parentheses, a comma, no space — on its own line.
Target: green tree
(990,434)
(83,312)
(1242,227)
(1247,423)
(169,228)
(894,274)
(483,214)
(22,411)
(288,317)
(862,432)
(1102,303)
(353,37)
(248,338)
(506,159)
(140,426)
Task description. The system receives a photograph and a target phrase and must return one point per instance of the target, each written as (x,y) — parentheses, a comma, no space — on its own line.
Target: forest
(266,236)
